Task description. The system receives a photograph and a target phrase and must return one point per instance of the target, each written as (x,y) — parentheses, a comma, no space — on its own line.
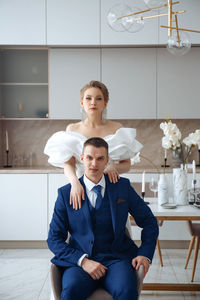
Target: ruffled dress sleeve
(63,145)
(122,144)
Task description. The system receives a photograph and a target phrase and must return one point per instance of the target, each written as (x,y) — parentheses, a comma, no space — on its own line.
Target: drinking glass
(153,186)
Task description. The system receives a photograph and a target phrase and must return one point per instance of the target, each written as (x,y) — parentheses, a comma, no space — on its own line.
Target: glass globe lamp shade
(181,47)
(114,14)
(154,3)
(133,23)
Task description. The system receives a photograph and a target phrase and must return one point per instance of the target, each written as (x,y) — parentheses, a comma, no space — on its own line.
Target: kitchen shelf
(24,84)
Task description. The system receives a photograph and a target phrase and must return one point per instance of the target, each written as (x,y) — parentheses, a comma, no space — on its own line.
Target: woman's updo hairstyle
(96,84)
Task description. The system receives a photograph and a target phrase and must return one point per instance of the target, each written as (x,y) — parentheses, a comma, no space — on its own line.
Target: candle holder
(7,159)
(165,164)
(194,191)
(199,159)
(143,194)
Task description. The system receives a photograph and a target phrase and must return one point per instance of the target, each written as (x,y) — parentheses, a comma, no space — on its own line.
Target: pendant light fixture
(125,18)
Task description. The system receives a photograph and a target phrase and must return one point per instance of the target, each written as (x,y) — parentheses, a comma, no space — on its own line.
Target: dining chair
(100,294)
(160,223)
(194,229)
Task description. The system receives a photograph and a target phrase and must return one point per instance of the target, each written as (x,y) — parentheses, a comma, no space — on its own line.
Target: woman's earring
(104,115)
(83,114)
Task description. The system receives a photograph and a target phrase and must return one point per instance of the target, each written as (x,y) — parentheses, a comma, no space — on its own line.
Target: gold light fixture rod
(169,17)
(160,15)
(177,30)
(146,10)
(183,29)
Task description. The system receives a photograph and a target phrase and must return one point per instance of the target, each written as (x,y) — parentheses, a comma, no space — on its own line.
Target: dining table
(173,213)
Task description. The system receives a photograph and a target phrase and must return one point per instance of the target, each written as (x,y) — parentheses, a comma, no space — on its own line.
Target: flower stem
(151,163)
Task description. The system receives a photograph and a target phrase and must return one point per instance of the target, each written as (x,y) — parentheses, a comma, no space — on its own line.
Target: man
(99,252)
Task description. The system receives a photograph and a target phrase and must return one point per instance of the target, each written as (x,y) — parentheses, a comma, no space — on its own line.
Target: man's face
(94,161)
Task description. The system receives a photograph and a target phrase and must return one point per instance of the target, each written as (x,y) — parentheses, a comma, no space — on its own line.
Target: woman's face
(93,101)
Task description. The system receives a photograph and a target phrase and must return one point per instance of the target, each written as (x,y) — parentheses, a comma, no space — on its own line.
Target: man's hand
(93,268)
(141,260)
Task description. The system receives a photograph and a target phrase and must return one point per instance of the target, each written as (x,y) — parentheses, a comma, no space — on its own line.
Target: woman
(64,148)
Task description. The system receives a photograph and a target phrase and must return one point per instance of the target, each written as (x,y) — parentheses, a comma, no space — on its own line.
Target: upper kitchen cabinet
(178,87)
(24,83)
(130,75)
(74,22)
(189,20)
(147,36)
(22,22)
(70,69)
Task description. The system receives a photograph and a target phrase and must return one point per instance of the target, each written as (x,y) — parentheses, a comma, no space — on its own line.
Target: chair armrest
(140,277)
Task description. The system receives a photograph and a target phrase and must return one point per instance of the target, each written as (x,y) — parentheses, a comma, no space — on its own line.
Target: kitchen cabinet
(189,20)
(130,75)
(147,36)
(23,202)
(55,181)
(70,70)
(22,22)
(178,86)
(73,22)
(24,83)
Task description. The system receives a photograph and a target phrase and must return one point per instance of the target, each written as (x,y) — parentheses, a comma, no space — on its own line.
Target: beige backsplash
(27,136)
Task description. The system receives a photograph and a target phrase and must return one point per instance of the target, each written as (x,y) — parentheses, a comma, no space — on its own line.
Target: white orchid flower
(135,159)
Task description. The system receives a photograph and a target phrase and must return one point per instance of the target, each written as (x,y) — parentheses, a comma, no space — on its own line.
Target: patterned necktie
(97,190)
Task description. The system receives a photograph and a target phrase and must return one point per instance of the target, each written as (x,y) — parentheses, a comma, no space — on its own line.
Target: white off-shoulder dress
(63,145)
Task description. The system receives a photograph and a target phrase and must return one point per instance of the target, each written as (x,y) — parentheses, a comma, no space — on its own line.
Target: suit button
(91,242)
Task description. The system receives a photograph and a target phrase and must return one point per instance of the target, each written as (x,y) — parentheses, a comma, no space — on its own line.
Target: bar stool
(194,229)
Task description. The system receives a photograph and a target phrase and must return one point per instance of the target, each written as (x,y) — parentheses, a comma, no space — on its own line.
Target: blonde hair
(96,84)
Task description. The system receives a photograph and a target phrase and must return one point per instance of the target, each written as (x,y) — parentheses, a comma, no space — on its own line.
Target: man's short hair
(96,142)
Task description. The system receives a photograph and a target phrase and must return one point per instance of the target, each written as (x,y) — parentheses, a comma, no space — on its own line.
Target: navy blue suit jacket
(123,200)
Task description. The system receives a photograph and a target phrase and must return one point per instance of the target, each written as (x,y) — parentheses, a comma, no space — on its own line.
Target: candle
(165,153)
(143,182)
(194,169)
(7,145)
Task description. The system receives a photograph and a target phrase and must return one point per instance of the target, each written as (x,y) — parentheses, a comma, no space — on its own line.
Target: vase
(163,196)
(180,186)
(177,158)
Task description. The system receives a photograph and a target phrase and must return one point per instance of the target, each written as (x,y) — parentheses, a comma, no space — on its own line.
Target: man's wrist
(149,261)
(80,261)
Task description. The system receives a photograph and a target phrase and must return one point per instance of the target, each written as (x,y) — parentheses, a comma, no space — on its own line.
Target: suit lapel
(112,196)
(85,206)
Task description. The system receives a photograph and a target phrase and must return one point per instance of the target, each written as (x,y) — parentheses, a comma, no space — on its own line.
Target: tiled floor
(24,275)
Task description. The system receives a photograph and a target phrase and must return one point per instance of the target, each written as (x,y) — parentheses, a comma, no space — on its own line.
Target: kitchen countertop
(54,170)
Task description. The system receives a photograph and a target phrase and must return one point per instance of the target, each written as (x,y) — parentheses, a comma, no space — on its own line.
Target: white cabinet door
(178,85)
(147,36)
(22,22)
(74,22)
(23,202)
(54,183)
(130,75)
(189,20)
(70,69)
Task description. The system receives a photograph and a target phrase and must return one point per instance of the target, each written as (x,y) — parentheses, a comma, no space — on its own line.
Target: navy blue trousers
(119,281)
